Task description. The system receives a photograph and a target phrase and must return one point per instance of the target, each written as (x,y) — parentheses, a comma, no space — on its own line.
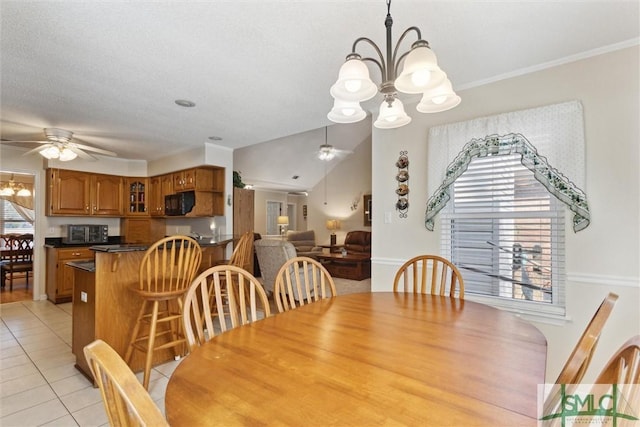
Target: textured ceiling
(257,70)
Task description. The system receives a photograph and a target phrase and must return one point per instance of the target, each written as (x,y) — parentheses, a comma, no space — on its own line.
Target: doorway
(17,216)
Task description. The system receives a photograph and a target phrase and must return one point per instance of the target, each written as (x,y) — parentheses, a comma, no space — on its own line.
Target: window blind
(11,221)
(505,232)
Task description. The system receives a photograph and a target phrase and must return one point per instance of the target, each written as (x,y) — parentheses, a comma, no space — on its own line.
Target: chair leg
(150,346)
(27,278)
(11,281)
(134,336)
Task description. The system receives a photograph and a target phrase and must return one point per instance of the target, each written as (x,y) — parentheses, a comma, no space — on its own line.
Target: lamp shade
(332,224)
(353,82)
(66,154)
(283,220)
(439,99)
(392,116)
(50,152)
(346,112)
(420,71)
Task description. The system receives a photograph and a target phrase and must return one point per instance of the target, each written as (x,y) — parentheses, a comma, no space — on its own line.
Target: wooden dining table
(365,359)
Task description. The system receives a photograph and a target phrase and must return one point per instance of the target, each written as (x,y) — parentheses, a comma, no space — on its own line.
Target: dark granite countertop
(117,248)
(56,242)
(83,265)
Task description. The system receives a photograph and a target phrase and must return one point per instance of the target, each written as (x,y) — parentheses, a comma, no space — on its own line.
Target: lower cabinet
(60,276)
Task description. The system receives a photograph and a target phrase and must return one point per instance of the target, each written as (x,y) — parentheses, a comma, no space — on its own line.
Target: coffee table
(349,266)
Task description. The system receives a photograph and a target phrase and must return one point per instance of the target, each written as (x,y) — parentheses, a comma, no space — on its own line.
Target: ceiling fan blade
(8,141)
(81,153)
(94,149)
(38,149)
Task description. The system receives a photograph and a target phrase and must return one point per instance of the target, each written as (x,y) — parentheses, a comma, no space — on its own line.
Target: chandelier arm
(395,50)
(380,64)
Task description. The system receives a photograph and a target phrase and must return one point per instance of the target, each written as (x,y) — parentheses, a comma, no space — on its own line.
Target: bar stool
(166,271)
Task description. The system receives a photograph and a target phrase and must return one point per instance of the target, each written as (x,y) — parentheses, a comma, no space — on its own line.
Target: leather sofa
(358,242)
(304,242)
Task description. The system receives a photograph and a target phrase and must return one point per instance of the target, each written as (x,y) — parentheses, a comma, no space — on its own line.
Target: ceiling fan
(328,152)
(61,145)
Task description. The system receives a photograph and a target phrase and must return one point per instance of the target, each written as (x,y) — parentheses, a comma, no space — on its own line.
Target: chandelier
(12,189)
(420,74)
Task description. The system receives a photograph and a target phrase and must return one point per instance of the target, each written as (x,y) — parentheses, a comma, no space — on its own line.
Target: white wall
(605,256)
(346,184)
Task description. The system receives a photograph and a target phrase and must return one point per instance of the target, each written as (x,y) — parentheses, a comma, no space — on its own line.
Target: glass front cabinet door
(137,196)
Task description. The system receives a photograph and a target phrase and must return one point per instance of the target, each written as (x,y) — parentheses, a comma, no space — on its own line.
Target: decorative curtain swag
(494,145)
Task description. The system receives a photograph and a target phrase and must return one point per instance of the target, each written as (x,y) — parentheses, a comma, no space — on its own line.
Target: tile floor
(38,383)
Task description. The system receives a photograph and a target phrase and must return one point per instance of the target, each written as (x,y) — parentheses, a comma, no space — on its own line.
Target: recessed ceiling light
(215,138)
(185,103)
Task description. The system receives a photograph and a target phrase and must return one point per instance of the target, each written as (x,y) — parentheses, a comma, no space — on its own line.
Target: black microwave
(180,203)
(85,233)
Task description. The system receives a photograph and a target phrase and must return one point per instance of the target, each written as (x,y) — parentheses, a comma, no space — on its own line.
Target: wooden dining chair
(579,359)
(300,281)
(166,271)
(444,277)
(127,403)
(245,302)
(18,258)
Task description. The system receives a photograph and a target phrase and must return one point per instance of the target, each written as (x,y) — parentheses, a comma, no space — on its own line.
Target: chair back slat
(127,403)
(222,289)
(576,365)
(429,274)
(169,265)
(242,255)
(300,281)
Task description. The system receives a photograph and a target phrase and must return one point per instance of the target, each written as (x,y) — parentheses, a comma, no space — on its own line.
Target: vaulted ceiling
(258,71)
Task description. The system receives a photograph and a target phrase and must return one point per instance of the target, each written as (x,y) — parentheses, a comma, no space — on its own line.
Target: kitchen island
(104,305)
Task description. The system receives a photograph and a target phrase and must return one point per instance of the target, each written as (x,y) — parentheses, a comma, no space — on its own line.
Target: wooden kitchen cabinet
(136,195)
(199,179)
(160,186)
(60,277)
(76,193)
(142,230)
(243,212)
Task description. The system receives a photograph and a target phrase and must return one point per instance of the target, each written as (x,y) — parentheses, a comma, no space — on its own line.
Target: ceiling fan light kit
(60,145)
(420,74)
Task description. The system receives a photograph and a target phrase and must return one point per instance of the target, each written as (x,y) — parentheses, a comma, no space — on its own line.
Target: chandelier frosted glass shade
(346,112)
(420,72)
(441,98)
(392,116)
(353,82)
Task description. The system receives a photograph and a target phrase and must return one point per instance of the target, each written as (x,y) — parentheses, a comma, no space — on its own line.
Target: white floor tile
(39,384)
(36,415)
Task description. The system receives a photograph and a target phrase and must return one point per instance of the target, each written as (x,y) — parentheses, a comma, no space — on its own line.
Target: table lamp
(332,225)
(283,222)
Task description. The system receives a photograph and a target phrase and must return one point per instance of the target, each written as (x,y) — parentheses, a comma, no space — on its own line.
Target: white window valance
(556,132)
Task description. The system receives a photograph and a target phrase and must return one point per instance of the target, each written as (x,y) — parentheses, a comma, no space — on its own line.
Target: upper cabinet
(78,193)
(199,179)
(160,186)
(136,196)
(75,193)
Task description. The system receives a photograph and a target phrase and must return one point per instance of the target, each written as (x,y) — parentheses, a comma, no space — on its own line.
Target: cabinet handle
(95,208)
